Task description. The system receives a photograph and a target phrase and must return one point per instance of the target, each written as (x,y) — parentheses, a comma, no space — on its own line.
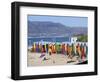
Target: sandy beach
(35,59)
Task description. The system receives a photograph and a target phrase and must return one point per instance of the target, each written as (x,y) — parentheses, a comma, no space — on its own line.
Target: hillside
(52,29)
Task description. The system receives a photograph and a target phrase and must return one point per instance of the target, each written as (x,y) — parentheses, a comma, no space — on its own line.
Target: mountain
(52,29)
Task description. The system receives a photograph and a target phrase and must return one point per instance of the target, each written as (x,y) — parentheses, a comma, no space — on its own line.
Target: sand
(34,59)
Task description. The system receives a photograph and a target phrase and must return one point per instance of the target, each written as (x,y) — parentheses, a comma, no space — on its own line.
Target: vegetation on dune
(82,38)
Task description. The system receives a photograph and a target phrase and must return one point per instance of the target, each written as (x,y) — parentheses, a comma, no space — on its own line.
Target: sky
(71,21)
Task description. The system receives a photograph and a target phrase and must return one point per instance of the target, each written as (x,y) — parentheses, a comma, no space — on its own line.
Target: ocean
(47,39)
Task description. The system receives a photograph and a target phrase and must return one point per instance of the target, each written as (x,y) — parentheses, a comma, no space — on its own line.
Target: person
(37,47)
(47,48)
(56,46)
(40,47)
(81,47)
(79,51)
(43,48)
(42,51)
(63,48)
(83,54)
(70,52)
(53,48)
(73,50)
(50,49)
(58,49)
(74,45)
(85,49)
(67,49)
(33,47)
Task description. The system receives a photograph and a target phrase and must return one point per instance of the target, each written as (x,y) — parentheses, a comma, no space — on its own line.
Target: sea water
(47,39)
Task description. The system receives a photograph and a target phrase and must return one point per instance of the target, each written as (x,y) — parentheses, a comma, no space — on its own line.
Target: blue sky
(65,20)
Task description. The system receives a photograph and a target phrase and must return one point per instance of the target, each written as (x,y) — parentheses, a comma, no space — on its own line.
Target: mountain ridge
(52,29)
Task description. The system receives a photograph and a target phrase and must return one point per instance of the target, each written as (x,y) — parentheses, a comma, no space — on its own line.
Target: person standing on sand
(53,48)
(81,46)
(47,48)
(85,50)
(50,49)
(37,47)
(73,50)
(33,48)
(83,54)
(74,45)
(67,49)
(79,51)
(63,49)
(42,51)
(70,52)
(43,48)
(58,48)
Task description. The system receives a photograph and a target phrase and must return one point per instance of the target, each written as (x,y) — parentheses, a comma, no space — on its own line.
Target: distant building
(73,39)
